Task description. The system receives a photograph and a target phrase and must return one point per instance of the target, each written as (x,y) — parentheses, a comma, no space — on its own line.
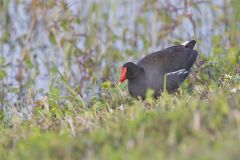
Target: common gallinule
(174,63)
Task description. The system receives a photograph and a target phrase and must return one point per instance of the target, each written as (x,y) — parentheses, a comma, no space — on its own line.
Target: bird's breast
(138,87)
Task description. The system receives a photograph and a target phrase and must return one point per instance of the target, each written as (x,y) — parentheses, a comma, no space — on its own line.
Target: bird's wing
(174,62)
(170,60)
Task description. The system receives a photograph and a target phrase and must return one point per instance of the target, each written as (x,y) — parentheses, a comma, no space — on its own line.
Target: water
(122,15)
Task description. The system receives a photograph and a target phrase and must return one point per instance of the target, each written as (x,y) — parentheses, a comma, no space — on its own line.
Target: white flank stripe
(181,71)
(184,43)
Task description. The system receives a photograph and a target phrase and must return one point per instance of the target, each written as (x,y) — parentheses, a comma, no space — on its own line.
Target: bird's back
(174,62)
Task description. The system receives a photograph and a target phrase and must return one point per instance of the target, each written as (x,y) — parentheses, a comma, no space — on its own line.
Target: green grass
(200,121)
(201,124)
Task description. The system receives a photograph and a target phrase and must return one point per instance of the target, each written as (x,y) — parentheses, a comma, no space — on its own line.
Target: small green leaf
(232,55)
(122,85)
(2,60)
(106,85)
(54,93)
(52,38)
(2,74)
(65,25)
(28,61)
(14,90)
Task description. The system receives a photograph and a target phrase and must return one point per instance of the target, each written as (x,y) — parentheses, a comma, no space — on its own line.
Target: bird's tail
(189,44)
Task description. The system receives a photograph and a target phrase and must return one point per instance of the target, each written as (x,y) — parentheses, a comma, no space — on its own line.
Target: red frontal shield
(123,77)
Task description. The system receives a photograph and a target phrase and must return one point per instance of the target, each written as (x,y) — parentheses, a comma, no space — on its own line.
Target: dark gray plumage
(174,62)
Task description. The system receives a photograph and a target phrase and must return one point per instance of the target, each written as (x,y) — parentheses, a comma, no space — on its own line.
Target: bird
(171,65)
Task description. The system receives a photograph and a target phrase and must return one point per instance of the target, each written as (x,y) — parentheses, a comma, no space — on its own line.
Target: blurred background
(60,62)
(70,47)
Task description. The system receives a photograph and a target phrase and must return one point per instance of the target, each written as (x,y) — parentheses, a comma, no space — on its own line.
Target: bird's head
(130,71)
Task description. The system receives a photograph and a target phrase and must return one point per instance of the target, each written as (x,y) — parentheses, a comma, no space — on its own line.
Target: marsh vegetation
(60,62)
